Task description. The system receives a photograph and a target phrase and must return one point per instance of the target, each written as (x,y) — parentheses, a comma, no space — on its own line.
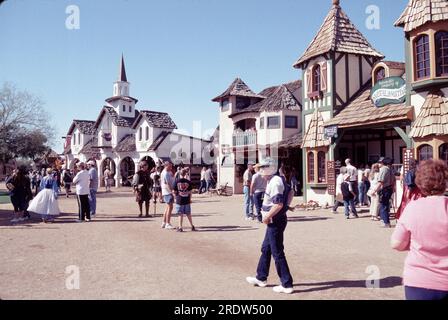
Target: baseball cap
(268,167)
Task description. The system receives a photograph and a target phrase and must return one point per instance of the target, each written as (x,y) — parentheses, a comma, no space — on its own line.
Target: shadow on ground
(224,228)
(389,282)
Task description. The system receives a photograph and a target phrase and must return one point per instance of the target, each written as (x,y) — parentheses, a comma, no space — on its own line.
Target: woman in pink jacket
(423,231)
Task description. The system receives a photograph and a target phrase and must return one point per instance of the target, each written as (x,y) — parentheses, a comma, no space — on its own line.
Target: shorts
(183,209)
(168,199)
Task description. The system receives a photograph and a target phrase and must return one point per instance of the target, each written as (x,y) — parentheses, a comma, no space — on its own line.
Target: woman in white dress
(46,203)
(374,198)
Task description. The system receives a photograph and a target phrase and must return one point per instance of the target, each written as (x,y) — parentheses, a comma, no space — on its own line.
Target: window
(310,167)
(380,74)
(225,105)
(130,108)
(321,175)
(425,152)
(74,139)
(273,122)
(140,133)
(442,53)
(147,133)
(124,108)
(422,57)
(291,122)
(262,123)
(443,153)
(242,102)
(316,78)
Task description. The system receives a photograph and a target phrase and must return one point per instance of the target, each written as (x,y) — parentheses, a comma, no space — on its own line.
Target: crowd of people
(422,225)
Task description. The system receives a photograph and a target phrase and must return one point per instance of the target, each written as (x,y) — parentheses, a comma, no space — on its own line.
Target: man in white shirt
(353,172)
(167,183)
(82,182)
(248,201)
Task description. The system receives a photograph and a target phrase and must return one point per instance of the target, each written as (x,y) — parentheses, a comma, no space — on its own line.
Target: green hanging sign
(390,90)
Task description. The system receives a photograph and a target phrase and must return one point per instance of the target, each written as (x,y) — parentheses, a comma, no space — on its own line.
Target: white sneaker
(256,282)
(163,225)
(280,289)
(169,226)
(14,220)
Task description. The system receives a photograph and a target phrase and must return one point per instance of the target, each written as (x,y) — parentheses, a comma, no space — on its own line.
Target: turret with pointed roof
(237,88)
(122,75)
(418,13)
(337,34)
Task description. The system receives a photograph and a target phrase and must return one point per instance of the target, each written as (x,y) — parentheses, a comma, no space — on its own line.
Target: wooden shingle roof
(420,12)
(337,34)
(127,144)
(156,119)
(433,117)
(314,136)
(237,88)
(361,111)
(84,126)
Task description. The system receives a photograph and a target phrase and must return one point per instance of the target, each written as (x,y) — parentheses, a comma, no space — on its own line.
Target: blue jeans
(273,246)
(248,202)
(202,186)
(209,184)
(362,193)
(351,204)
(385,204)
(92,201)
(258,202)
(413,293)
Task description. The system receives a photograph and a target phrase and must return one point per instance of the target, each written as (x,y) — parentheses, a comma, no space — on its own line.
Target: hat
(384,160)
(268,167)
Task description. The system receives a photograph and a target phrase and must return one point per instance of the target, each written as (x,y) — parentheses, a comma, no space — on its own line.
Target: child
(349,197)
(182,189)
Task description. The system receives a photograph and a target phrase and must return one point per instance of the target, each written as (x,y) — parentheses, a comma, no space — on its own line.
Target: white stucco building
(122,136)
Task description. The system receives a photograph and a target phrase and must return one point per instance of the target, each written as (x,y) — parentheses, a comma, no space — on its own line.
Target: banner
(390,90)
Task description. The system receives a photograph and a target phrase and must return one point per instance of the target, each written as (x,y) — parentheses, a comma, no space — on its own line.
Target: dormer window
(442,53)
(380,74)
(147,133)
(130,108)
(140,134)
(124,108)
(422,57)
(317,80)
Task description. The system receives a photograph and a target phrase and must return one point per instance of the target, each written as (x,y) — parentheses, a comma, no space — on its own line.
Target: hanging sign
(331,132)
(390,90)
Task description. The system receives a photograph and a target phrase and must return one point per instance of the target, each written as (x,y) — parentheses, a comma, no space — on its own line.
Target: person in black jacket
(349,197)
(143,183)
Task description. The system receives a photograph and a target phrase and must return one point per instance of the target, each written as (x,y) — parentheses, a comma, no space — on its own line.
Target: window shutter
(309,81)
(323,78)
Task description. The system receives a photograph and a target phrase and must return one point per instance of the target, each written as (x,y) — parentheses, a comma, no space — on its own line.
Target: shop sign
(390,90)
(331,132)
(331,178)
(408,154)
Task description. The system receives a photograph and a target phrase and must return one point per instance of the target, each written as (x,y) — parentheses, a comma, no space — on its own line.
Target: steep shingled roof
(433,117)
(277,98)
(156,119)
(84,126)
(116,119)
(337,34)
(237,88)
(127,144)
(419,12)
(158,141)
(91,148)
(314,136)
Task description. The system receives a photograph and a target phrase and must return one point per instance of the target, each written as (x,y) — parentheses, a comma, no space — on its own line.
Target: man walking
(353,172)
(257,189)
(167,183)
(248,201)
(82,182)
(385,189)
(93,187)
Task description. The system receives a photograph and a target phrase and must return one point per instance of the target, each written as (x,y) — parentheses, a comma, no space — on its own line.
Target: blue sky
(179,54)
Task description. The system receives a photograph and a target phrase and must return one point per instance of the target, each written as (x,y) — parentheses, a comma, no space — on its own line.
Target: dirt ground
(120,256)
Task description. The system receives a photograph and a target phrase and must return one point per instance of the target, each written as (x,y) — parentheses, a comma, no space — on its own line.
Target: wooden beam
(404,136)
(347,79)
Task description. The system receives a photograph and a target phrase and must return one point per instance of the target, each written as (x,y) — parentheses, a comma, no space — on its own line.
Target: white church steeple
(121,86)
(122,102)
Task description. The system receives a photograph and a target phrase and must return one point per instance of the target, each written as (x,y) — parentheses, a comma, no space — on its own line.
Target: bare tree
(21,115)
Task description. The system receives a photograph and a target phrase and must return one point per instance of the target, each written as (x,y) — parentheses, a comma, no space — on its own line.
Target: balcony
(247,138)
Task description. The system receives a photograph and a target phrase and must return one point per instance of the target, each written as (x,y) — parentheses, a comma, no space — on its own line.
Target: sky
(179,54)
